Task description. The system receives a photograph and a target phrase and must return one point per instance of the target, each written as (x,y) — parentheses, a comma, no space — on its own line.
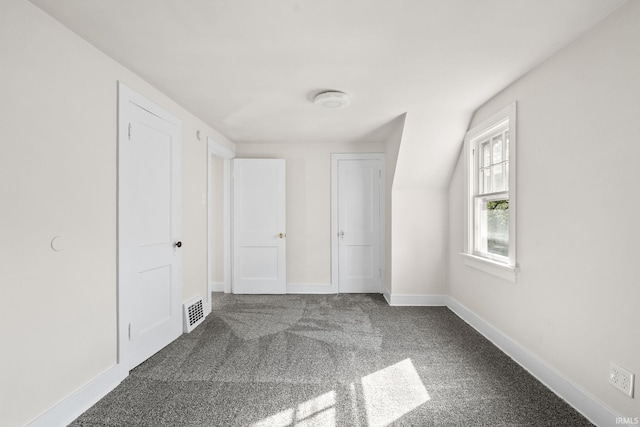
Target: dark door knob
(178,244)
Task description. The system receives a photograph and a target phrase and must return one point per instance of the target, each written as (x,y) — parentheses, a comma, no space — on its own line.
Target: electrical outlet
(621,379)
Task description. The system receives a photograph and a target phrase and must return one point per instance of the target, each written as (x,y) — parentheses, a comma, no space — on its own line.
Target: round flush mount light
(332,100)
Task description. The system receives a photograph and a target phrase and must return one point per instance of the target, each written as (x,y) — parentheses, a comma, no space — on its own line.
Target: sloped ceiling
(250,68)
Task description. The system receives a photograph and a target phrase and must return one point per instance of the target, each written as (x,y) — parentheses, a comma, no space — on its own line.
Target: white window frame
(501,266)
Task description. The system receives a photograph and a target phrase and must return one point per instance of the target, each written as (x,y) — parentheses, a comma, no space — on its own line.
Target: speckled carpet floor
(329,360)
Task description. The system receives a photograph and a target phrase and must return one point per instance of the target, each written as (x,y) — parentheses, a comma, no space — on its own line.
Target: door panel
(153,183)
(359,262)
(259,262)
(259,238)
(153,312)
(359,189)
(149,224)
(357,202)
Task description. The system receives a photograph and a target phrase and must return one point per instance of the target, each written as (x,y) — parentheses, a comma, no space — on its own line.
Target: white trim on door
(335,158)
(216,149)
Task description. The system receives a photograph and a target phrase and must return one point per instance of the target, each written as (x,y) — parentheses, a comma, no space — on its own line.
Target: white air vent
(193,314)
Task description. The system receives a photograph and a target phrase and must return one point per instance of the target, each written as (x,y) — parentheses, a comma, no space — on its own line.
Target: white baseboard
(386,293)
(593,409)
(73,406)
(415,300)
(216,287)
(311,288)
(206,308)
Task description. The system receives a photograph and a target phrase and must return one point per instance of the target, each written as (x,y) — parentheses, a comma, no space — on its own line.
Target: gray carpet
(325,360)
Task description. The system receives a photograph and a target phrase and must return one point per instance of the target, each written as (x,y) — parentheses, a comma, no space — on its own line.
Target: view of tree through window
(498,227)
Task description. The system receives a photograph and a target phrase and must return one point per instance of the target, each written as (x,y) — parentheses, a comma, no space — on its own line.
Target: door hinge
(129,135)
(380,174)
(129,332)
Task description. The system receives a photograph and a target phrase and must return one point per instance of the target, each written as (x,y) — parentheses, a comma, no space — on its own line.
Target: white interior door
(149,228)
(359,189)
(259,234)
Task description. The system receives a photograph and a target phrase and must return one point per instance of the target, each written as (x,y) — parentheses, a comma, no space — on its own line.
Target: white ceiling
(249,68)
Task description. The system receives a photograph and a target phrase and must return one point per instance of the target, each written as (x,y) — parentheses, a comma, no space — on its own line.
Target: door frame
(214,148)
(127,96)
(335,260)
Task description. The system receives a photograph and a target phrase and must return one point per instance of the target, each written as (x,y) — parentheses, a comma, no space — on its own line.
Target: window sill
(492,267)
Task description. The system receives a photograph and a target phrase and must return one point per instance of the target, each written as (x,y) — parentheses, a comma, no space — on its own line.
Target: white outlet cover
(621,379)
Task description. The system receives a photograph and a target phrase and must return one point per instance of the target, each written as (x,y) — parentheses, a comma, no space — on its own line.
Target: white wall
(217,219)
(419,254)
(392,149)
(58,177)
(308,203)
(419,221)
(575,305)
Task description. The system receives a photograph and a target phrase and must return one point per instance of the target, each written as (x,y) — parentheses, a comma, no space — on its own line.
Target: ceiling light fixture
(332,99)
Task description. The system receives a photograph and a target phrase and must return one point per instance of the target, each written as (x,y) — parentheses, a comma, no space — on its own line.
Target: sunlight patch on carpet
(392,392)
(319,411)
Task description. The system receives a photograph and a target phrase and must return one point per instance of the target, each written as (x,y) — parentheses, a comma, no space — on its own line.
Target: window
(490,152)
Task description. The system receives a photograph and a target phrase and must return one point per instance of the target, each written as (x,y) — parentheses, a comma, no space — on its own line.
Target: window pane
(492,226)
(480,226)
(506,145)
(497,149)
(498,178)
(498,227)
(484,181)
(485,148)
(506,176)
